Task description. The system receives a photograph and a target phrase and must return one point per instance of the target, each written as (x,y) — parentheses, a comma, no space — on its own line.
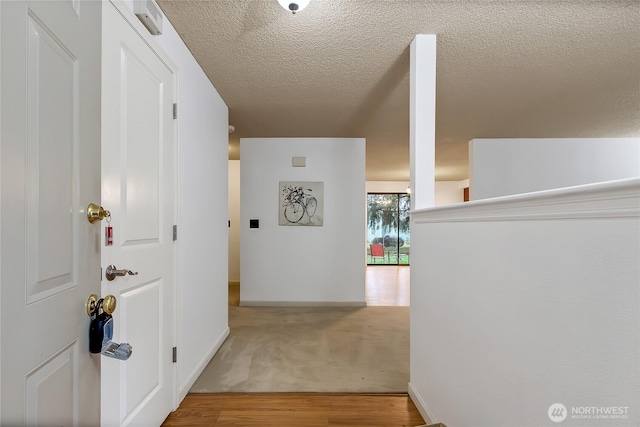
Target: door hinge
(175,110)
(175,233)
(175,354)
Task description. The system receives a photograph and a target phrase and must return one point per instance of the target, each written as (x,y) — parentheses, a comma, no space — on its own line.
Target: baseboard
(195,374)
(303,304)
(421,405)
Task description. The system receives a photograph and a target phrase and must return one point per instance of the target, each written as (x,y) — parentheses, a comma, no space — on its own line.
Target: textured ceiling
(340,68)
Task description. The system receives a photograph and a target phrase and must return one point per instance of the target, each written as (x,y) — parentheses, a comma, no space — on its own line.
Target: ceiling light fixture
(294,5)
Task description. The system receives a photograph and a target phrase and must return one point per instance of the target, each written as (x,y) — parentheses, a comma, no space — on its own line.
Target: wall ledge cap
(611,199)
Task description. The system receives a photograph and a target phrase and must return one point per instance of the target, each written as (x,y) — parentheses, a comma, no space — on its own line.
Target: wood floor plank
(295,409)
(273,417)
(373,420)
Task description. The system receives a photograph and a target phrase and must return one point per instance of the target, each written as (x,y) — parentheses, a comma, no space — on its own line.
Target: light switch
(299,162)
(254,223)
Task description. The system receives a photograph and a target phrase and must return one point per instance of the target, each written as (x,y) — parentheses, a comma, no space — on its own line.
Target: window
(388,228)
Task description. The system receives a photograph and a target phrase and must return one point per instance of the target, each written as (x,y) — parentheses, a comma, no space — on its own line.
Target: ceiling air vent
(149,14)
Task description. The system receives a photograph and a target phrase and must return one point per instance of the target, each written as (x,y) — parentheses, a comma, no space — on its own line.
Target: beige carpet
(311,349)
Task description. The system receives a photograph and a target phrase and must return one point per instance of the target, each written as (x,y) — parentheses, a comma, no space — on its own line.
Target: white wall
(499,167)
(448,192)
(202,214)
(525,301)
(295,264)
(234,217)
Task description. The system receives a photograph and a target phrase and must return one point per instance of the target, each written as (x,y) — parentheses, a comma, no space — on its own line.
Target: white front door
(50,253)
(138,132)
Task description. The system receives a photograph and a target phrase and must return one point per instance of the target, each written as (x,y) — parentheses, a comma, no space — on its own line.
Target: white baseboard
(422,406)
(303,304)
(184,388)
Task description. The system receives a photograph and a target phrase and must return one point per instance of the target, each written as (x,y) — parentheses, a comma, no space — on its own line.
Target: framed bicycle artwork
(301,203)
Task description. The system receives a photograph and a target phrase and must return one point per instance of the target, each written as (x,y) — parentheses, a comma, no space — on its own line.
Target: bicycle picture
(299,204)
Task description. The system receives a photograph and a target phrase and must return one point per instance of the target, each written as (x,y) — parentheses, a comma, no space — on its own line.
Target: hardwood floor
(295,409)
(387,285)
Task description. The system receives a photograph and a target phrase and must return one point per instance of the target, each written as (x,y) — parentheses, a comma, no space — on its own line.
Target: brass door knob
(108,304)
(92,304)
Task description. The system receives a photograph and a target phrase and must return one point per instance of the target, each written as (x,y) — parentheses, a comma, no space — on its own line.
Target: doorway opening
(388,238)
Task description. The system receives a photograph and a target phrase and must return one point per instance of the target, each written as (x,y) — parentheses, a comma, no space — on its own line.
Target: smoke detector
(294,5)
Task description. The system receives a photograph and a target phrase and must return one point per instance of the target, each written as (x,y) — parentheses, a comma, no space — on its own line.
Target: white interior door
(138,189)
(50,253)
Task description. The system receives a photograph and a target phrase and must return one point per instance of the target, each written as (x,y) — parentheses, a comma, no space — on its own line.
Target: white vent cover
(149,14)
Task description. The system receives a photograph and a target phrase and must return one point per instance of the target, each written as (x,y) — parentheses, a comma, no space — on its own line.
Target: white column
(423,120)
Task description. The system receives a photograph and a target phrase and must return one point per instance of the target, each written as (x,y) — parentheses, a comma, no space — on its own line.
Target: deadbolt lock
(96,213)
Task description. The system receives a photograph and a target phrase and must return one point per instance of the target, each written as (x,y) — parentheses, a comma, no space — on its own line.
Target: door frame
(144,34)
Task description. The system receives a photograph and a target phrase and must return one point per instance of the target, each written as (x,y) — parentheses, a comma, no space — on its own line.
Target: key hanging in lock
(108,231)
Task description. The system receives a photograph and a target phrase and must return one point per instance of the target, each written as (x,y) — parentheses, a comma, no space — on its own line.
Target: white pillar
(423,120)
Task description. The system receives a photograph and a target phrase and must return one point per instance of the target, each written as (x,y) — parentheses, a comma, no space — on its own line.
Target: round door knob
(109,304)
(91,304)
